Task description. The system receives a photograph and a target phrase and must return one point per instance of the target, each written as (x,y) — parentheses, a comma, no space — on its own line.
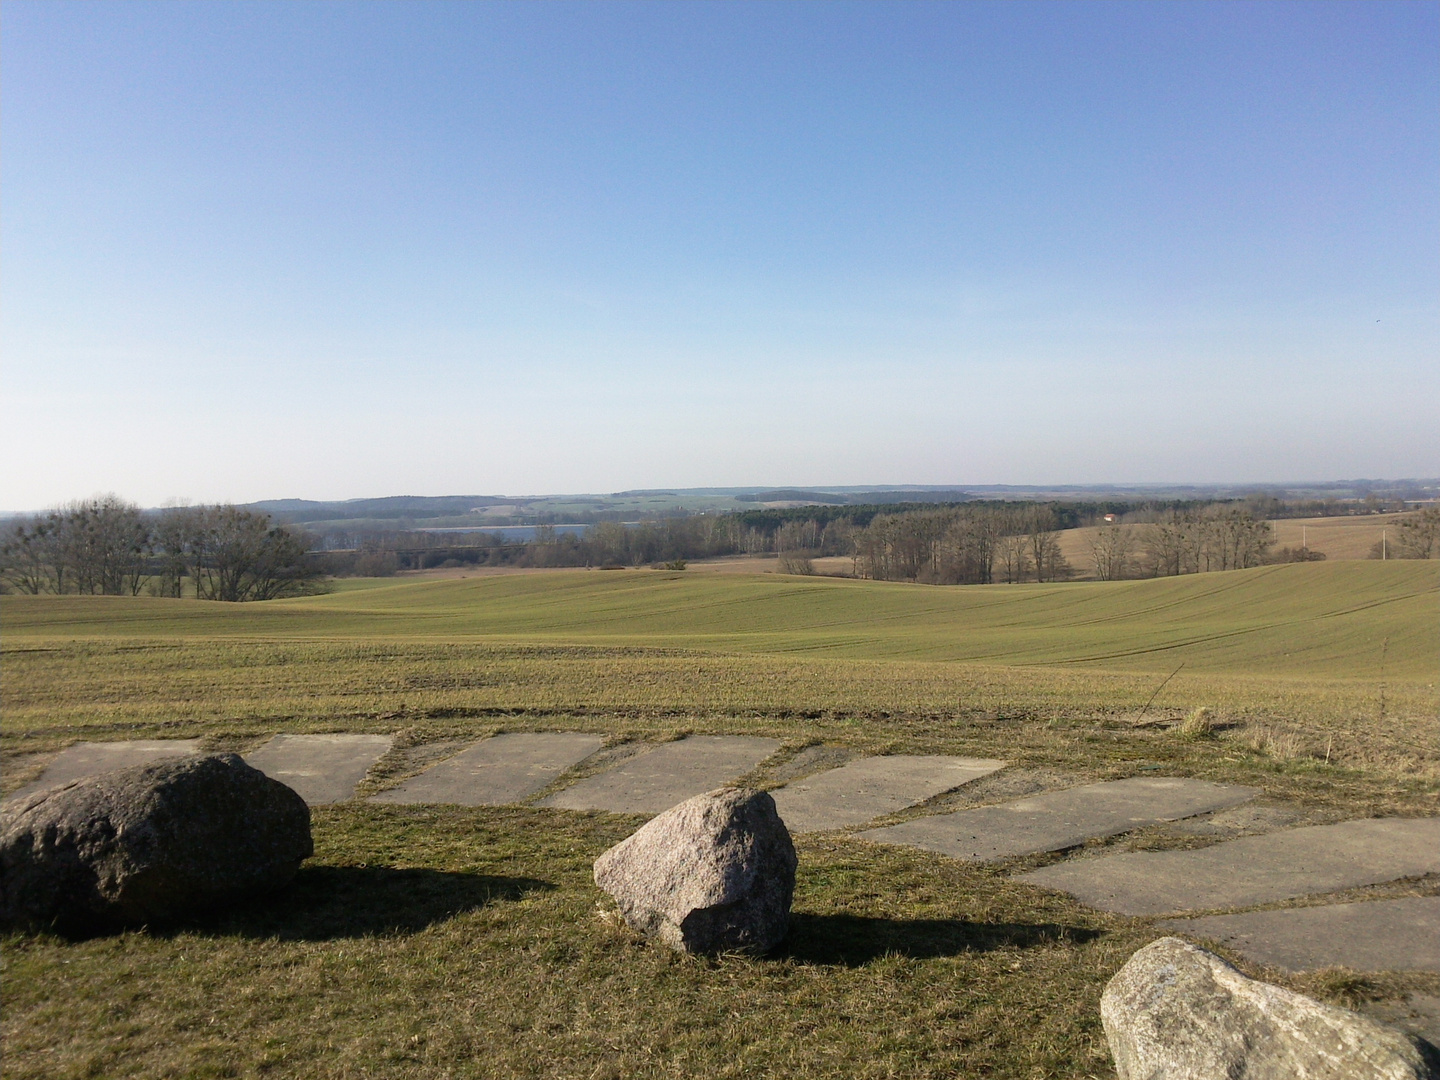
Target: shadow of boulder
(326,903)
(854,940)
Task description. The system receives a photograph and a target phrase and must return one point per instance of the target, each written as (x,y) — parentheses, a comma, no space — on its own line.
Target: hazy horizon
(1082,492)
(259,251)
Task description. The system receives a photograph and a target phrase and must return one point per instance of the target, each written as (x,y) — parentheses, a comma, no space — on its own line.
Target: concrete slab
(1377,935)
(496,771)
(658,779)
(91,758)
(1253,869)
(864,790)
(1060,819)
(322,768)
(1419,1014)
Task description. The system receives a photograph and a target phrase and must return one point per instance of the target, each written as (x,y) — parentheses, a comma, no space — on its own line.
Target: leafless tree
(98,545)
(1113,548)
(1418,537)
(1012,556)
(1218,538)
(236,555)
(1044,540)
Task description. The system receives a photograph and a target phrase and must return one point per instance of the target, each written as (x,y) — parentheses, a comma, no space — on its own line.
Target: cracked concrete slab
(1252,869)
(1060,819)
(1373,935)
(671,773)
(91,758)
(496,771)
(322,768)
(872,787)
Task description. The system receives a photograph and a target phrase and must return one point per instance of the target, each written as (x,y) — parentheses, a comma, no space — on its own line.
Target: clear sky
(340,250)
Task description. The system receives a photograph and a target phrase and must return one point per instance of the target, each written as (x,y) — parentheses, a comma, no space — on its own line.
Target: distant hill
(422,511)
(392,507)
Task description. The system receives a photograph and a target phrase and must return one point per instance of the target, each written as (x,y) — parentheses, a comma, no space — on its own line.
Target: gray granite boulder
(1178,1012)
(148,843)
(714,874)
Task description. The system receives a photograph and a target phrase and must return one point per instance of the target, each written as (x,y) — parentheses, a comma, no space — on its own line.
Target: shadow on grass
(325,903)
(853,940)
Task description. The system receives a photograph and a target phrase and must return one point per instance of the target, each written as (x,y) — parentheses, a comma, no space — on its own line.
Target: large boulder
(1178,1012)
(713,874)
(148,843)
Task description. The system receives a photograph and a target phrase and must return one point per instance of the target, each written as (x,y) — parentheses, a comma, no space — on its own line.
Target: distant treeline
(969,543)
(108,546)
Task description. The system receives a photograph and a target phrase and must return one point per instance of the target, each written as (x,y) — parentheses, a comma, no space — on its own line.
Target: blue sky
(339,250)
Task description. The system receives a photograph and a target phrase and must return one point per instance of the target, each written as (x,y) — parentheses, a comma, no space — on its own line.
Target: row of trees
(972,543)
(1190,541)
(967,545)
(1216,538)
(108,546)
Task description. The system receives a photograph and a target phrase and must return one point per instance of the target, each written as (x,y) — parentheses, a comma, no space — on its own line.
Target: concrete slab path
(1377,935)
(658,779)
(496,771)
(322,768)
(869,788)
(1061,819)
(91,758)
(1252,869)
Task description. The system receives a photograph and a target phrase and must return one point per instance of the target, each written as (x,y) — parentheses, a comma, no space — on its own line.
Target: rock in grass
(1178,1012)
(148,843)
(714,874)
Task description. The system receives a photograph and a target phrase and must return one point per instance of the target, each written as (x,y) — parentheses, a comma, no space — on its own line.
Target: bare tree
(1419,536)
(1012,555)
(228,554)
(236,555)
(1113,549)
(27,556)
(1220,538)
(98,545)
(1044,538)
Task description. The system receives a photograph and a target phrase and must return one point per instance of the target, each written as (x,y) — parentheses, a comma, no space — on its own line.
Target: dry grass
(1338,538)
(1199,724)
(446,942)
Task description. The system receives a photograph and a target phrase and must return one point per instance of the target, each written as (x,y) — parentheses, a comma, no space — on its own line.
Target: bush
(795,562)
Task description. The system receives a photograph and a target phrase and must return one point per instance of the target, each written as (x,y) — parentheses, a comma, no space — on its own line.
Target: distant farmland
(1335,537)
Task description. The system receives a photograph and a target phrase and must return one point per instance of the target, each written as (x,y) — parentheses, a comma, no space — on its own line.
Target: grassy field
(1331,649)
(440,941)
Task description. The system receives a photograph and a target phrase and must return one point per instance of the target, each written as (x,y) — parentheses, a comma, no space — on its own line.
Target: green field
(1294,620)
(1347,647)
(441,941)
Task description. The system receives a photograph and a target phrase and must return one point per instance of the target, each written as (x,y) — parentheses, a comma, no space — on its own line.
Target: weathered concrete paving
(658,779)
(1378,935)
(1061,819)
(496,771)
(1253,869)
(869,788)
(1419,1015)
(90,758)
(322,768)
